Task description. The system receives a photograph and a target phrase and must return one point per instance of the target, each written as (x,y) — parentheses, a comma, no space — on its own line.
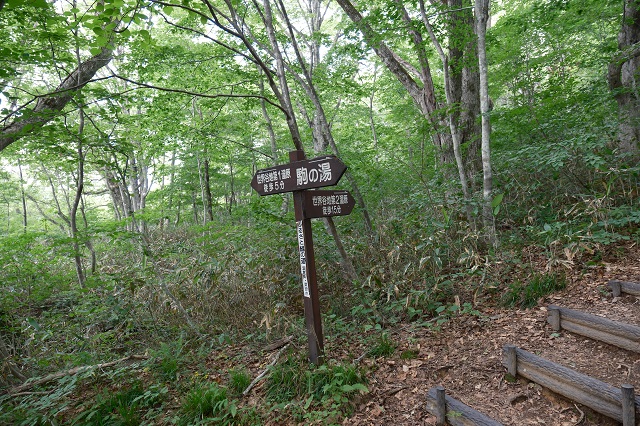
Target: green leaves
(495,203)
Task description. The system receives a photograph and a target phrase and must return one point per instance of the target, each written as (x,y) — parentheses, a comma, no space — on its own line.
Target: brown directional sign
(299,175)
(327,203)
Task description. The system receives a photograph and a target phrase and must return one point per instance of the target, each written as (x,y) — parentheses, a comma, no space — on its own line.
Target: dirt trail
(465,357)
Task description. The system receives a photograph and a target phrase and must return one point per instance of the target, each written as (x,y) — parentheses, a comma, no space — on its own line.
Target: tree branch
(47,107)
(201,95)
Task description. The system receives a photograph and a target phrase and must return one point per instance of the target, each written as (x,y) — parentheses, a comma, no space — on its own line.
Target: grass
(527,295)
(383,347)
(239,379)
(125,406)
(323,393)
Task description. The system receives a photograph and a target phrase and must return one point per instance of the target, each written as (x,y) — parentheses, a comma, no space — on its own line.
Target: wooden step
(619,287)
(451,411)
(619,404)
(619,334)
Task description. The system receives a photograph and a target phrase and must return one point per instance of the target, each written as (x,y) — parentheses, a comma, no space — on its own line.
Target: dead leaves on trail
(465,357)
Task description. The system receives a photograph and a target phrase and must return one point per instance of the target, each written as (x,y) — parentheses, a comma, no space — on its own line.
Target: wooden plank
(619,334)
(619,287)
(628,406)
(458,414)
(593,393)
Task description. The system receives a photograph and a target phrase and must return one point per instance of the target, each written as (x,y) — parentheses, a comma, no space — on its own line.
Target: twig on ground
(265,371)
(31,393)
(581,415)
(278,344)
(71,372)
(360,358)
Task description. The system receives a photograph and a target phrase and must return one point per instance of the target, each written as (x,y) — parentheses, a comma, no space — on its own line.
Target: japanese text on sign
(303,260)
(305,175)
(273,180)
(331,204)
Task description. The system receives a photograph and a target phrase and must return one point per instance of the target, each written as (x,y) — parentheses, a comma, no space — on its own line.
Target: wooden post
(628,405)
(554,317)
(441,407)
(308,270)
(616,288)
(511,359)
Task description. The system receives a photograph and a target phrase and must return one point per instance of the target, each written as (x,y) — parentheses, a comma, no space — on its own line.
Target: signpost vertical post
(299,176)
(308,271)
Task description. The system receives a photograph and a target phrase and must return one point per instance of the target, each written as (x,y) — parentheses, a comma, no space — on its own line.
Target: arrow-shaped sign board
(299,175)
(327,203)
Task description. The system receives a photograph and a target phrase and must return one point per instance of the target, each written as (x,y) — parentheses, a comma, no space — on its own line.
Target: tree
(51,29)
(457,112)
(624,71)
(482,17)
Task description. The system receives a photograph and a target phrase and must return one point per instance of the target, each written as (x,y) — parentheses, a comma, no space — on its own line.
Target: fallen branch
(278,344)
(266,370)
(5,357)
(31,393)
(71,372)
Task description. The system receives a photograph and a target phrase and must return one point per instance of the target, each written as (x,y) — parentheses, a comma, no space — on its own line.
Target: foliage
(323,392)
(539,285)
(37,409)
(239,379)
(209,403)
(169,230)
(383,347)
(169,360)
(122,407)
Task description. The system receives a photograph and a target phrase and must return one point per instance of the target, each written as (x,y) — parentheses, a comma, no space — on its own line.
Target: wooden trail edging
(619,404)
(619,334)
(447,409)
(619,287)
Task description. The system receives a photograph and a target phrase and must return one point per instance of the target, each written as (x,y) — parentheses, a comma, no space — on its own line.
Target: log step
(451,411)
(619,287)
(619,334)
(619,404)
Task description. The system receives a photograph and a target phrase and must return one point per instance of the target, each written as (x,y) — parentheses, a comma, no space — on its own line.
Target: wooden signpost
(298,177)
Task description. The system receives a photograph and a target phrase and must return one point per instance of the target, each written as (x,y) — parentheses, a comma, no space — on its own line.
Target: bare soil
(465,358)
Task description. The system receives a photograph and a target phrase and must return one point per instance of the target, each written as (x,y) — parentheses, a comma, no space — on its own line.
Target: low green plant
(124,407)
(540,285)
(324,392)
(169,360)
(383,347)
(409,354)
(210,404)
(239,379)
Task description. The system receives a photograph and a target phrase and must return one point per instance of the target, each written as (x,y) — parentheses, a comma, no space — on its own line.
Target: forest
(492,153)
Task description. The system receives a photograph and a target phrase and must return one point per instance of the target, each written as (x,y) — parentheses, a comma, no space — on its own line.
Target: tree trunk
(24,199)
(232,189)
(347,266)
(453,88)
(482,16)
(194,205)
(87,242)
(207,190)
(73,213)
(624,72)
(321,128)
(274,147)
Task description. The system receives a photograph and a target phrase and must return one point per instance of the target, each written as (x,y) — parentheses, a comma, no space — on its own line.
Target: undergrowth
(526,295)
(322,393)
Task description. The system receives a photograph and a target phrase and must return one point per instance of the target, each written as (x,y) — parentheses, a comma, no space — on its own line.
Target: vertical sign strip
(303,260)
